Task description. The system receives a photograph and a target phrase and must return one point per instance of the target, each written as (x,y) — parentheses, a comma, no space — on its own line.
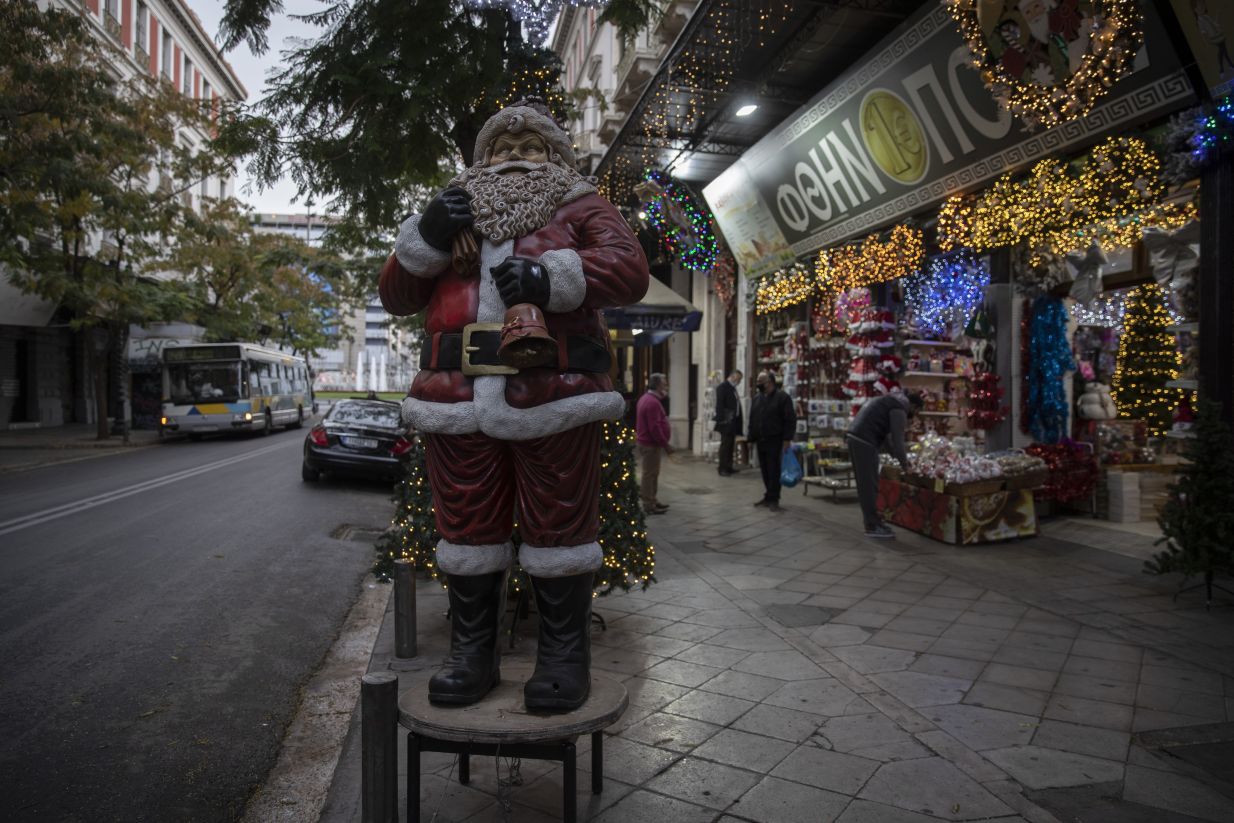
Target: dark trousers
(727,442)
(865,474)
(769,454)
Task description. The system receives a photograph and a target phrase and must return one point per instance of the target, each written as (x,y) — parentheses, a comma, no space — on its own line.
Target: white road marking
(56,512)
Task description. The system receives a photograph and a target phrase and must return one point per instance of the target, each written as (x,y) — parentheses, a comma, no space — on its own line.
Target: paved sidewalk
(22,449)
(784,668)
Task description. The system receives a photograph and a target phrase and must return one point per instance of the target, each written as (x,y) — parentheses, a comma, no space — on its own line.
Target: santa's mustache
(514,165)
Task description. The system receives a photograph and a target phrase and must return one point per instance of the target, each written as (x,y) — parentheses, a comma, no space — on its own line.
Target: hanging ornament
(1172,254)
(1050,65)
(685,230)
(1087,266)
(535,15)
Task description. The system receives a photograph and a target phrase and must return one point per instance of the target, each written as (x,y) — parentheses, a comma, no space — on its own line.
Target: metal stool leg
(413,778)
(597,762)
(464,768)
(569,785)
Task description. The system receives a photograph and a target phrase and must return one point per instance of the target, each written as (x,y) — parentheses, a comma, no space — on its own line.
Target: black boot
(562,679)
(477,603)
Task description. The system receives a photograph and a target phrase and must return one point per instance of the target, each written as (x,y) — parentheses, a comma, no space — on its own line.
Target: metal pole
(379,747)
(404,608)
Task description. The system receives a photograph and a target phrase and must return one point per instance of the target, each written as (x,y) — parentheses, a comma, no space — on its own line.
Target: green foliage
(1197,522)
(91,177)
(629,560)
(387,94)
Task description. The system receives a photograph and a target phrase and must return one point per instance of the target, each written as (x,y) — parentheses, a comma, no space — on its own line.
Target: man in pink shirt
(651,425)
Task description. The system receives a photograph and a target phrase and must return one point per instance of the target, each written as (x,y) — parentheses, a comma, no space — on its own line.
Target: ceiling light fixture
(747,110)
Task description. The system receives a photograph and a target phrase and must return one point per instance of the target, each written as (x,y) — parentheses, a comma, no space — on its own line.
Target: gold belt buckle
(473,369)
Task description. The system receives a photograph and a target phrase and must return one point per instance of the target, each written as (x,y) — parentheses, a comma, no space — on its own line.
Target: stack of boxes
(1124,496)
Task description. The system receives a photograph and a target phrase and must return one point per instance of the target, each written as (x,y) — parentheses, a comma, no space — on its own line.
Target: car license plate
(360,442)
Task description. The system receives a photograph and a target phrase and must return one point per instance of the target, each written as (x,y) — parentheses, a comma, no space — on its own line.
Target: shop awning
(660,313)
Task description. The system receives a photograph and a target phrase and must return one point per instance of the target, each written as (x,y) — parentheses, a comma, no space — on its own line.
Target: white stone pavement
(784,668)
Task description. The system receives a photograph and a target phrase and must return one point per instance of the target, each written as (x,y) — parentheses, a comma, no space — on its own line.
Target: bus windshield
(204,382)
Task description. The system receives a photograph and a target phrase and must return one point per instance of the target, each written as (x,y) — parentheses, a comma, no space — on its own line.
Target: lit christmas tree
(629,560)
(1147,360)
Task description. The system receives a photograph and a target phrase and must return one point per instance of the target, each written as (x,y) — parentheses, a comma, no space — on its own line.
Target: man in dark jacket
(772,426)
(728,420)
(882,420)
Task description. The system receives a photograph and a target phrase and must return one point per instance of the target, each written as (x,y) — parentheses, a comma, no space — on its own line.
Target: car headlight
(167,421)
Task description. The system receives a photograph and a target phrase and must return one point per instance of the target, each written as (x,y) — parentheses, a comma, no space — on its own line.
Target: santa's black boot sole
(562,679)
(473,667)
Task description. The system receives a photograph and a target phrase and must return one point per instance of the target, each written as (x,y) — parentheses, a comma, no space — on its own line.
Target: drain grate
(794,616)
(357,534)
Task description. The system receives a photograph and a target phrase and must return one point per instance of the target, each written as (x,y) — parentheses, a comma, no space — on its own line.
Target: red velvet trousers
(477,481)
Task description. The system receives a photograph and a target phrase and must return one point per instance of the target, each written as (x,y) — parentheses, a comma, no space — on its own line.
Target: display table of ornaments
(954,495)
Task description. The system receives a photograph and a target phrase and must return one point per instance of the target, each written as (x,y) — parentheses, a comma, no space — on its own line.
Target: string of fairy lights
(1047,92)
(685,230)
(1147,361)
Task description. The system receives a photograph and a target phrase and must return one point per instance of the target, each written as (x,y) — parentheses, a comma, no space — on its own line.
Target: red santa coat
(593,261)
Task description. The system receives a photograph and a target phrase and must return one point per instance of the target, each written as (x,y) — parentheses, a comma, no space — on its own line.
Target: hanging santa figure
(511,265)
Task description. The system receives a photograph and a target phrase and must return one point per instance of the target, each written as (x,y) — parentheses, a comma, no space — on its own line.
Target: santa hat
(532,115)
(889,364)
(885,385)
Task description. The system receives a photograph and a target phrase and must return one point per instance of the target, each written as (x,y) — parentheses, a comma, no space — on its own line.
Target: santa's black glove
(520,280)
(446,214)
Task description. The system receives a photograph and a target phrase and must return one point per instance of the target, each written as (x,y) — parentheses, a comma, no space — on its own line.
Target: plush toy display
(1096,403)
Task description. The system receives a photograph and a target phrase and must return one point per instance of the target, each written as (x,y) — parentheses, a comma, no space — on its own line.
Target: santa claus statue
(504,442)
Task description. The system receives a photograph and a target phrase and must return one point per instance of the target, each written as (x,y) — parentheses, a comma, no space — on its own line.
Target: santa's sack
(790,469)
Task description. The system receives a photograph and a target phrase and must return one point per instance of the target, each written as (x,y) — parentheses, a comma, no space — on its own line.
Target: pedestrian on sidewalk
(728,420)
(772,426)
(653,433)
(882,420)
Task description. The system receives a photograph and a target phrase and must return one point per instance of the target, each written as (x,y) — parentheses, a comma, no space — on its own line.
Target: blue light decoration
(1214,132)
(945,294)
(685,230)
(1050,360)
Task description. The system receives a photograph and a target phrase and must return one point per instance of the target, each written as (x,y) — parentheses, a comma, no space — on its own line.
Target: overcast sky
(252,72)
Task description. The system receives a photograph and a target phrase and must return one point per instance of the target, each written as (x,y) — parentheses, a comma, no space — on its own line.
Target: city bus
(221,387)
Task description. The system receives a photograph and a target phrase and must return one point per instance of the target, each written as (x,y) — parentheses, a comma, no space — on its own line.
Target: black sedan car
(357,437)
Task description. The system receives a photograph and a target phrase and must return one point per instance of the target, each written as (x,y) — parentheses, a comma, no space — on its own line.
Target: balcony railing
(111,24)
(141,56)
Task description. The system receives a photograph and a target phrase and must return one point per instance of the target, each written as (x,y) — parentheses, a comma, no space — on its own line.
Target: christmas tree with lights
(629,560)
(1147,361)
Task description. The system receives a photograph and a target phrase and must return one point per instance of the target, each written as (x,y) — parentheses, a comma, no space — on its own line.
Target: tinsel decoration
(685,230)
(1050,362)
(724,281)
(1037,93)
(1073,471)
(985,401)
(946,293)
(1197,138)
(535,15)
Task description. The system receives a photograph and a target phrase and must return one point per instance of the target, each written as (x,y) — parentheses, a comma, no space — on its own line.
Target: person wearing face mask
(772,425)
(653,433)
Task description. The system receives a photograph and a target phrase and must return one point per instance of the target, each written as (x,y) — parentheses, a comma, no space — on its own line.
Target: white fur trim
(567,286)
(492,308)
(459,558)
(582,188)
(414,254)
(560,561)
(440,418)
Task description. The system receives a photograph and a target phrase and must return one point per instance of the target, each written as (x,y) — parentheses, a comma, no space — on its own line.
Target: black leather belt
(475,352)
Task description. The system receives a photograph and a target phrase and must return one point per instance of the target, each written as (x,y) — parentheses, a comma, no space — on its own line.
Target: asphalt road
(160,609)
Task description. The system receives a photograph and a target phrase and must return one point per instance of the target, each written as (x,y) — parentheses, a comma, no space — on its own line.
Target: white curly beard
(515,203)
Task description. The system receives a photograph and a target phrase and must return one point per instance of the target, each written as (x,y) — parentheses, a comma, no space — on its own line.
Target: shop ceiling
(773,53)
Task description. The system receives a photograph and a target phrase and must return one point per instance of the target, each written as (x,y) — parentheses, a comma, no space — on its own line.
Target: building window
(167,48)
(111,17)
(186,86)
(139,38)
(205,90)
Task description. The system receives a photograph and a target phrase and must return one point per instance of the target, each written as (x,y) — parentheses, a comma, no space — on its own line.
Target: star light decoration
(945,294)
(536,16)
(1115,33)
(1087,268)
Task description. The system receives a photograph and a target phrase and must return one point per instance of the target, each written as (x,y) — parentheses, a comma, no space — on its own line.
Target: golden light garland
(785,288)
(870,261)
(1115,32)
(1110,197)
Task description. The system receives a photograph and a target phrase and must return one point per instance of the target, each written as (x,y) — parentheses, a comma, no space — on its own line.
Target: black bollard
(404,609)
(379,747)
